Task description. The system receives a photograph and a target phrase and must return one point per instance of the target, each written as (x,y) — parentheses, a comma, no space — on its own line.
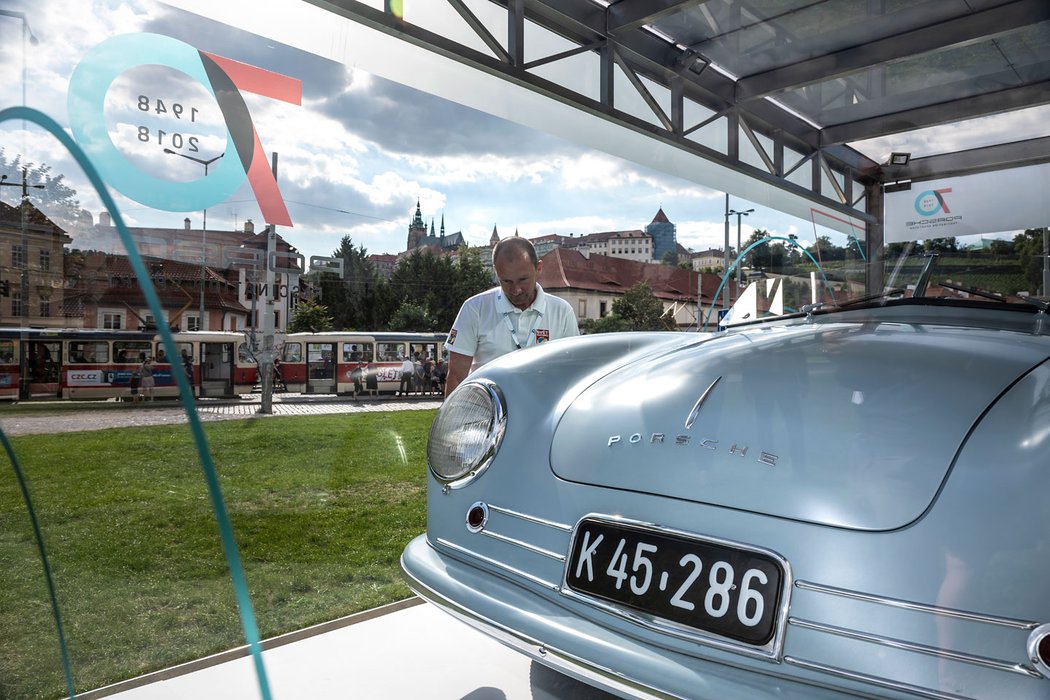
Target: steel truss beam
(636,53)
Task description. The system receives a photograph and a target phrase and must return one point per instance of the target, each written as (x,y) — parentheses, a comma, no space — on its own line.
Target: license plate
(710,586)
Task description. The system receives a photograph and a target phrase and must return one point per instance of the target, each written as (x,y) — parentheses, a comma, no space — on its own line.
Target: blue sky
(359,152)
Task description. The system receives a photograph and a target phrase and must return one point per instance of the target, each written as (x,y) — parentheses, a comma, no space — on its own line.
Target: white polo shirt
(488,325)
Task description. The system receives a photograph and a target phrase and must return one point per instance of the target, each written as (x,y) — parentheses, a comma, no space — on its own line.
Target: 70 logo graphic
(225,79)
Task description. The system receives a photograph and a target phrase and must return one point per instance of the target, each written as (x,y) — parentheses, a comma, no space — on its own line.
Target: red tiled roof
(564,268)
(119,266)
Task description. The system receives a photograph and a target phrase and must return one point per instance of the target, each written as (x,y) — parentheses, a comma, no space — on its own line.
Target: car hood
(845,424)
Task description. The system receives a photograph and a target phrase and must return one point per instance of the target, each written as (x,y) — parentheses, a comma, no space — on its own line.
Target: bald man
(516,314)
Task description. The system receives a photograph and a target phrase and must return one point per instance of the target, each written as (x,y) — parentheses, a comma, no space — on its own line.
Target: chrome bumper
(552,635)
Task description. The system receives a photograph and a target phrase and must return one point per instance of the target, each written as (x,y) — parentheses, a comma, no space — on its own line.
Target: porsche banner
(1005,200)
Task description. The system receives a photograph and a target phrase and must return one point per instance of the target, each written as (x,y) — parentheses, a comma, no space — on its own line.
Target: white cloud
(458,170)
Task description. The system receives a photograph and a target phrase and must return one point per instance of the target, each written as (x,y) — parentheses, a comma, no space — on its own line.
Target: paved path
(102,415)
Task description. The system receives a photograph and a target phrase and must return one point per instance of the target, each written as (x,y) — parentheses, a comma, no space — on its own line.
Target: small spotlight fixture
(693,61)
(898,158)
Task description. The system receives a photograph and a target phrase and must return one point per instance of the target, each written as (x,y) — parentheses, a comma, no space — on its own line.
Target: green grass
(321,507)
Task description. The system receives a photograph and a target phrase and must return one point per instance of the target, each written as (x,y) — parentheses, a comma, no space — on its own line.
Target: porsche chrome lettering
(767,458)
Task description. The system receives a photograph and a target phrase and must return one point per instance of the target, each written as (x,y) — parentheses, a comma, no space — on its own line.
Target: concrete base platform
(407,650)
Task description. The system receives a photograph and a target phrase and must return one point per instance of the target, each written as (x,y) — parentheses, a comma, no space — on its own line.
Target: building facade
(711,259)
(222,271)
(591,285)
(32,280)
(627,245)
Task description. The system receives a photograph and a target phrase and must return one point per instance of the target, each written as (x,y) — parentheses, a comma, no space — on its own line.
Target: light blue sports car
(848,501)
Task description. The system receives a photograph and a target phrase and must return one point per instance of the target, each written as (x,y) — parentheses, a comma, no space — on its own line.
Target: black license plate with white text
(721,589)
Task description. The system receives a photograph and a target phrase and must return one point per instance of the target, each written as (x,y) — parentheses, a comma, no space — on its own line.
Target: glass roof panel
(934,78)
(774,33)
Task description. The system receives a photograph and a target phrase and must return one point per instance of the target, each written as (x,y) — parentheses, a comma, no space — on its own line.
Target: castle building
(419,238)
(662,232)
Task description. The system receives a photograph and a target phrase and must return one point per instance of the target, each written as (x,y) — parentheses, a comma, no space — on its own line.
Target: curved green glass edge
(38,535)
(740,258)
(233,560)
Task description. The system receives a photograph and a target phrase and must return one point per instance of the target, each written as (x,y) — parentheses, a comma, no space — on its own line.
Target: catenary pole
(267,353)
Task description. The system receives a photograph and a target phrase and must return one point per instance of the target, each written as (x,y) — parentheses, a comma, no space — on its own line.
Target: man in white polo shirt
(514,315)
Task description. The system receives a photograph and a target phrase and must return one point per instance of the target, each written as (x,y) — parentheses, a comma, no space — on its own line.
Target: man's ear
(539,266)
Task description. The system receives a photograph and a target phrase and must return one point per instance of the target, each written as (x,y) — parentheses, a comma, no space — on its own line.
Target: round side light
(1039,648)
(477,516)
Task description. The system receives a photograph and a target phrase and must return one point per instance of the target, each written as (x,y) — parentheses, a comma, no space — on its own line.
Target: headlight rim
(496,430)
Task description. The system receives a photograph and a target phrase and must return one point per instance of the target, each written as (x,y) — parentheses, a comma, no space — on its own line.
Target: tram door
(41,370)
(216,369)
(320,368)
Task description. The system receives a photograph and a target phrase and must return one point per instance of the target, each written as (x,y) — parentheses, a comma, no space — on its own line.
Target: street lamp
(740,265)
(204,229)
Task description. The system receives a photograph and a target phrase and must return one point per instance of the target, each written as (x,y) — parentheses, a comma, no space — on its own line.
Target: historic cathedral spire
(417,229)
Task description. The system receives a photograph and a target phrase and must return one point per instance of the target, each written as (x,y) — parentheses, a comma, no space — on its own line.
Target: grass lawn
(321,507)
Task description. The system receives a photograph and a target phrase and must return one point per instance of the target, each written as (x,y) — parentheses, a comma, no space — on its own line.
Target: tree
(472,277)
(941,245)
(768,256)
(57,200)
(1028,247)
(437,284)
(670,258)
(609,323)
(823,250)
(426,280)
(411,316)
(1001,248)
(640,308)
(354,299)
(311,317)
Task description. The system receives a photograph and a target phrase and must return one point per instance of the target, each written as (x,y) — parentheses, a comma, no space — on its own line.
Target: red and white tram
(96,364)
(323,363)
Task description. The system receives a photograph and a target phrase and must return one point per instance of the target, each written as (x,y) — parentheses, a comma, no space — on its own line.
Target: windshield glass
(772,275)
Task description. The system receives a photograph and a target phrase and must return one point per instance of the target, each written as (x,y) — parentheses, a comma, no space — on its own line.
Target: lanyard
(514,336)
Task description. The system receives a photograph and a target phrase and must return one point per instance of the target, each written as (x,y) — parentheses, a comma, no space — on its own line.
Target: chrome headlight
(466,433)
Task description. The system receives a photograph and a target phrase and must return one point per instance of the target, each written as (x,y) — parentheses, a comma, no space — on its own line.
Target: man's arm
(458,368)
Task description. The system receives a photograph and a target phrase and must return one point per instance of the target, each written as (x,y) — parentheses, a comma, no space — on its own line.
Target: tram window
(244,354)
(88,352)
(319,352)
(424,350)
(293,352)
(358,352)
(391,352)
(7,352)
(160,356)
(185,351)
(130,350)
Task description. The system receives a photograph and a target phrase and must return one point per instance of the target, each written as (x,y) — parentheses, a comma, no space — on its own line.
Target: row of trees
(426,291)
(423,294)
